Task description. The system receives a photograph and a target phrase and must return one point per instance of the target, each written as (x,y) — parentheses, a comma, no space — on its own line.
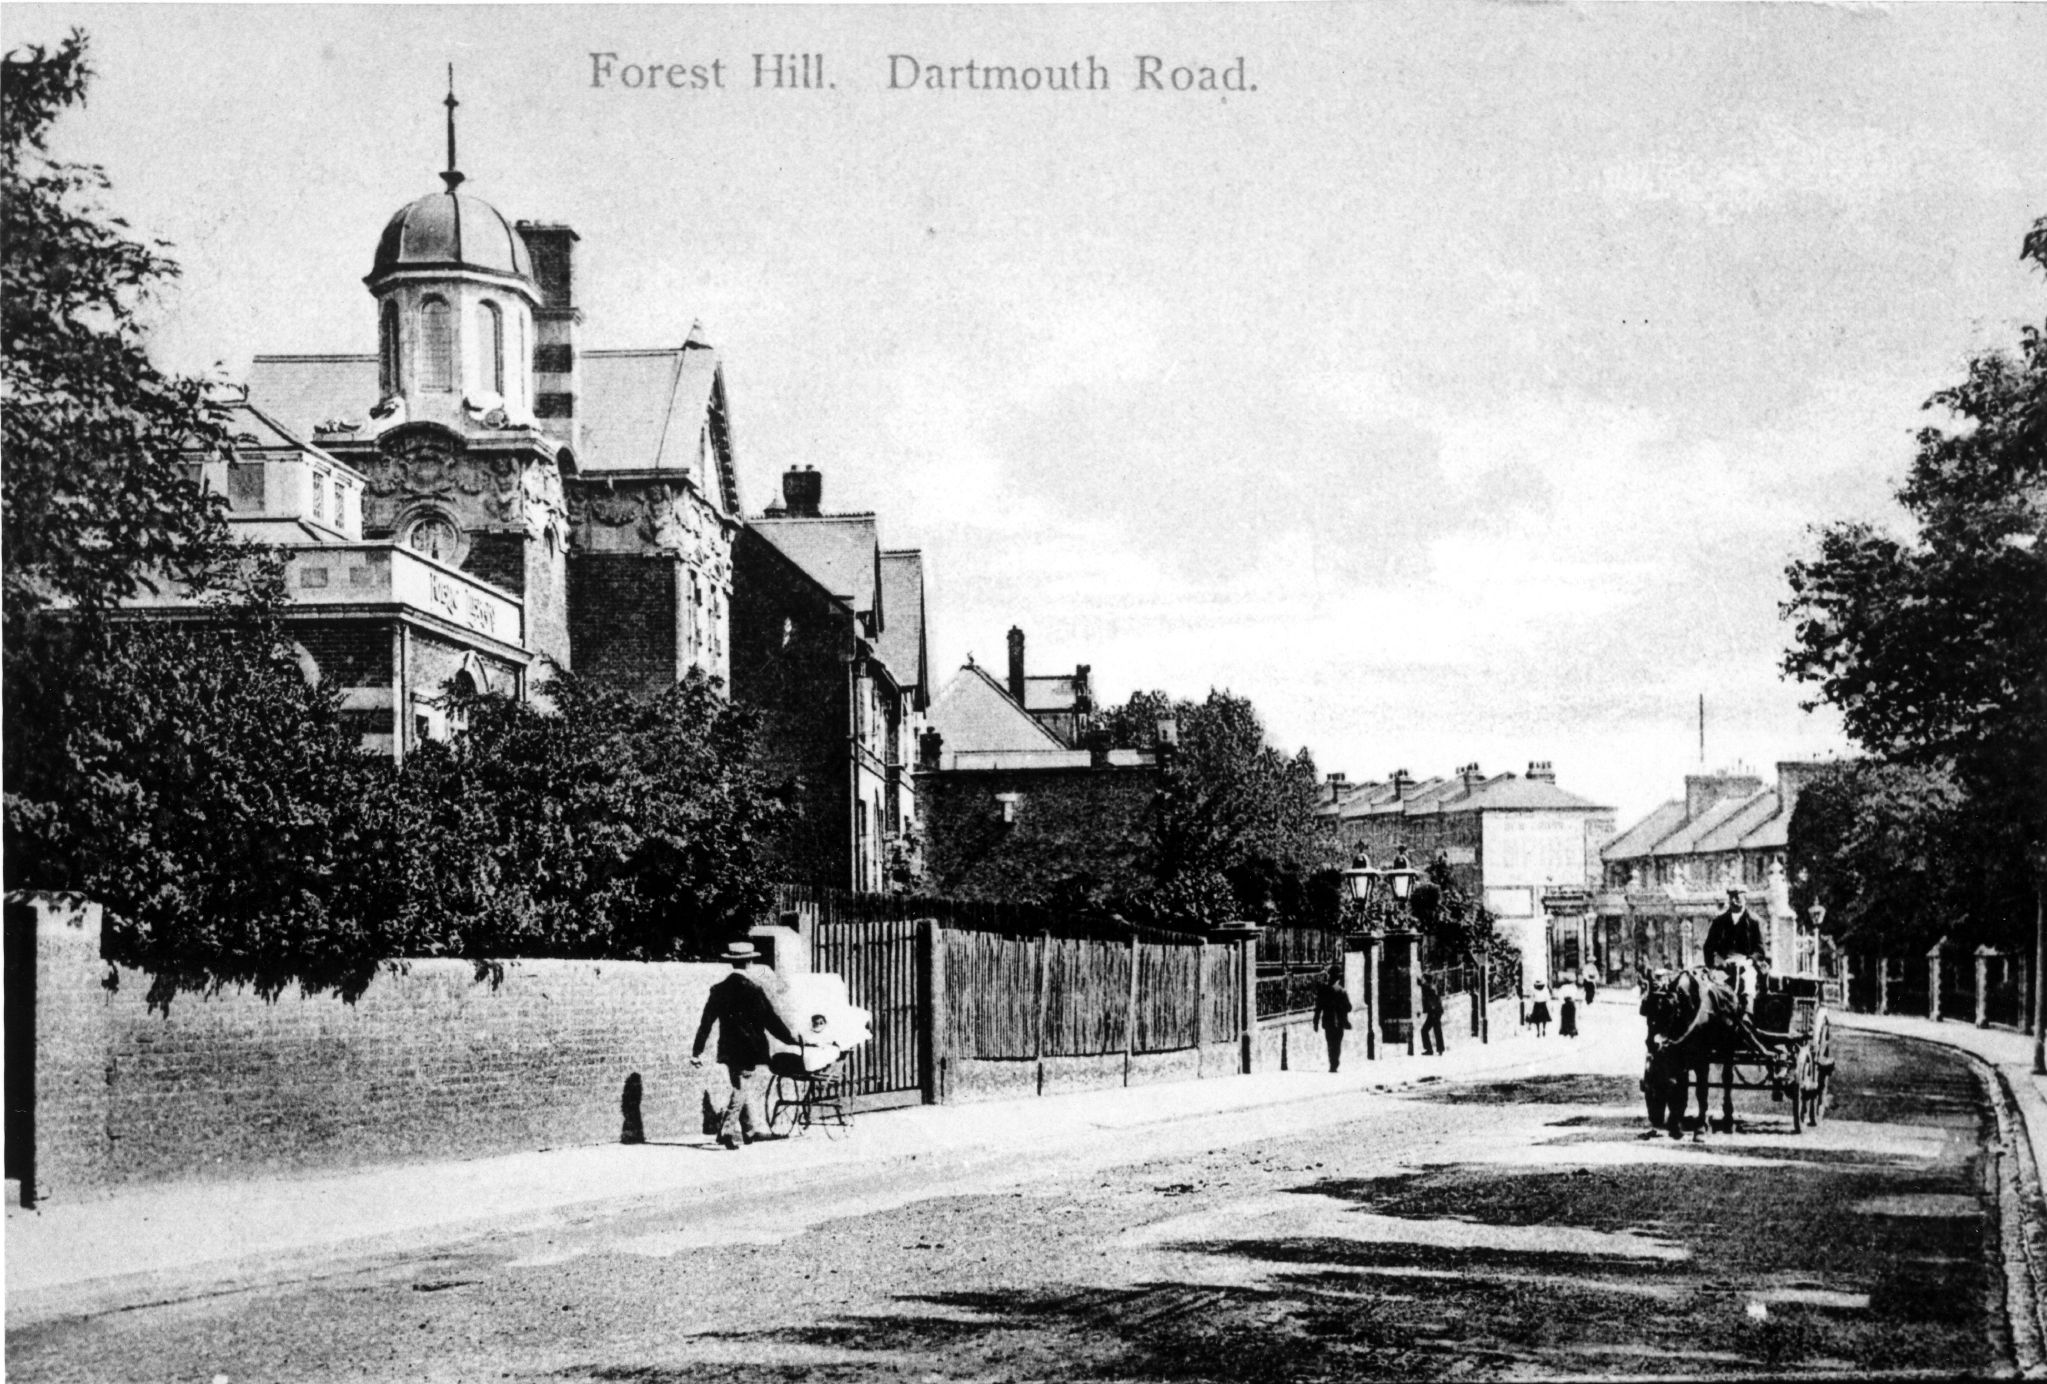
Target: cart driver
(1735,942)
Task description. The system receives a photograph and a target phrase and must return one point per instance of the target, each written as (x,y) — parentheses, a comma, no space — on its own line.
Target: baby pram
(810,1085)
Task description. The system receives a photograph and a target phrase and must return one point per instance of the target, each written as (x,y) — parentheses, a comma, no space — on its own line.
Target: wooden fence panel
(1222,992)
(1087,996)
(1168,985)
(990,994)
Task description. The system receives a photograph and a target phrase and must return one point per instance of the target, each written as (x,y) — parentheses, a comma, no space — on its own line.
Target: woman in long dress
(1538,1012)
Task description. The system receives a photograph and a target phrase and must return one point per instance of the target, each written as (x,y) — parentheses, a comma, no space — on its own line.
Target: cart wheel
(783,1111)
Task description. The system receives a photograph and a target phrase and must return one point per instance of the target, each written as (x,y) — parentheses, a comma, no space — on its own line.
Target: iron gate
(884,967)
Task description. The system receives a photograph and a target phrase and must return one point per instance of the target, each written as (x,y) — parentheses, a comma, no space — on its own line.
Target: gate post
(1038,1010)
(1130,1014)
(1933,981)
(1983,955)
(1485,1000)
(932,1018)
(1372,1034)
(1883,984)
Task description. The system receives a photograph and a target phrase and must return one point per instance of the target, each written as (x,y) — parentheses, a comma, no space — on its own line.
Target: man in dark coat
(1432,1017)
(1332,1012)
(1735,941)
(745,1017)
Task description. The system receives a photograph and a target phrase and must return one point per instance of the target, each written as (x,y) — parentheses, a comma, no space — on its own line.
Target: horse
(1693,1018)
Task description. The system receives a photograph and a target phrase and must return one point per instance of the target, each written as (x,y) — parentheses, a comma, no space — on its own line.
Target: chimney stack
(1472,777)
(1542,771)
(930,748)
(1016,664)
(1400,782)
(802,492)
(557,370)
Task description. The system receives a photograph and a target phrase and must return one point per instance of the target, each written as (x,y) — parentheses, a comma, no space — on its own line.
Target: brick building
(829,644)
(482,494)
(1527,848)
(1667,875)
(1011,810)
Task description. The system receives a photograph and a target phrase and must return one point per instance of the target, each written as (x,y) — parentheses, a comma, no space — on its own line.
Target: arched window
(518,374)
(436,345)
(490,341)
(387,349)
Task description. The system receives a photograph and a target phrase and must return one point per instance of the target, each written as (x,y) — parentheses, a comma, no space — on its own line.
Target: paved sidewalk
(2010,1053)
(164,1242)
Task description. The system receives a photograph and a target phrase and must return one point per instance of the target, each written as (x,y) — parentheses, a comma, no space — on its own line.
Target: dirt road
(1517,1228)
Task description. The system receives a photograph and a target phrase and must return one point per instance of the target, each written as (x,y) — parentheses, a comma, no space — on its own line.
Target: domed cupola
(455,296)
(451,230)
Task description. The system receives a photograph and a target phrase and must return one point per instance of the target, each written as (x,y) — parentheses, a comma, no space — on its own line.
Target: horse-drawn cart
(1785,1047)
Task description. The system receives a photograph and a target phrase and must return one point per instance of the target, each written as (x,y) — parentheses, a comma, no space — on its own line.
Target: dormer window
(387,349)
(436,345)
(490,340)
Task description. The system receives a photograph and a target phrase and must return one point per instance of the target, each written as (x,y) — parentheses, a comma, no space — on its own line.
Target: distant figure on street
(1538,1012)
(1735,942)
(1567,1015)
(1432,1017)
(745,1017)
(1588,981)
(1332,1012)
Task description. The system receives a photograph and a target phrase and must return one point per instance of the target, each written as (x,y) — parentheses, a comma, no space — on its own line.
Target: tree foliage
(196,786)
(96,506)
(1232,829)
(617,826)
(1900,857)
(1933,645)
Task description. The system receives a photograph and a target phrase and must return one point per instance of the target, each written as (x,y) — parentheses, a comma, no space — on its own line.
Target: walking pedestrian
(1332,1012)
(1567,1015)
(1588,981)
(1432,1017)
(745,1017)
(1538,1013)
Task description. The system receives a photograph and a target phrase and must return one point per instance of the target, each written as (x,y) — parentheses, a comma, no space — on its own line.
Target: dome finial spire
(453,177)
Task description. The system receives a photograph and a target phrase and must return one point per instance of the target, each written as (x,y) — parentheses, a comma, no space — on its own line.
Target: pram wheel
(785,1105)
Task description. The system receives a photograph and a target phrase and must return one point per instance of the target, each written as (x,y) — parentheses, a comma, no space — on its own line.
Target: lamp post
(1363,883)
(1400,883)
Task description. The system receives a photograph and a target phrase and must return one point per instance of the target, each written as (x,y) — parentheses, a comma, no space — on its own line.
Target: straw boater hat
(1735,891)
(740,952)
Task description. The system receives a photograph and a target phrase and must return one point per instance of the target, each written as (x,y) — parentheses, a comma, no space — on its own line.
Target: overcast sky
(1457,394)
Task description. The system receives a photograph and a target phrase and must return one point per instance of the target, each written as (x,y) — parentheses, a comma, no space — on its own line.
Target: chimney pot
(1016,664)
(802,492)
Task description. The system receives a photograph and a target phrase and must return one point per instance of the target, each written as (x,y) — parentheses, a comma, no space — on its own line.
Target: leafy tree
(1933,646)
(96,506)
(181,773)
(200,790)
(1901,858)
(1233,826)
(618,826)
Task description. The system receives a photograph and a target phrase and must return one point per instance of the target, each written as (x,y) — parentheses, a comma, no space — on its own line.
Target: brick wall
(623,619)
(429,1063)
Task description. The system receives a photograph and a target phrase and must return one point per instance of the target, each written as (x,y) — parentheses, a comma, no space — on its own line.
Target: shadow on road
(1679,1261)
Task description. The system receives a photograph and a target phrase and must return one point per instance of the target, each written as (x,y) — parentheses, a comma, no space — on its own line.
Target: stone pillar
(1933,981)
(1983,955)
(1372,1034)
(1883,985)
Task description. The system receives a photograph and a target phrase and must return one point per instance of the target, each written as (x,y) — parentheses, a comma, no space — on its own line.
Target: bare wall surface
(430,1062)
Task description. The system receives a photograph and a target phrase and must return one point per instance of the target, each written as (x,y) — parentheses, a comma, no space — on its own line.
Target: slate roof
(902,641)
(1685,840)
(840,552)
(640,411)
(976,715)
(1641,838)
(1731,831)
